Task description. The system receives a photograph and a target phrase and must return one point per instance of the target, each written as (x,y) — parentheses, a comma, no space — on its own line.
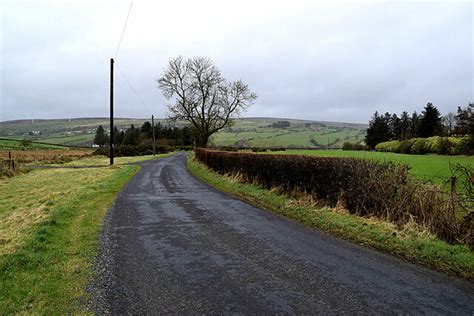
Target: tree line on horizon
(133,136)
(386,127)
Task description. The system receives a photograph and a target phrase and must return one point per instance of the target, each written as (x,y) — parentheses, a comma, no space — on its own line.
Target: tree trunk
(203,141)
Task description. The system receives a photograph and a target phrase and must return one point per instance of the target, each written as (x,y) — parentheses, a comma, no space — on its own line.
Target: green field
(249,132)
(49,226)
(8,144)
(425,167)
(258,132)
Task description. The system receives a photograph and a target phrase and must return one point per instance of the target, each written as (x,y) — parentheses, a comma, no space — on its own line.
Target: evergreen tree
(378,130)
(101,137)
(158,130)
(405,126)
(470,109)
(147,130)
(395,127)
(120,137)
(465,124)
(187,137)
(116,136)
(131,136)
(414,125)
(430,122)
(463,120)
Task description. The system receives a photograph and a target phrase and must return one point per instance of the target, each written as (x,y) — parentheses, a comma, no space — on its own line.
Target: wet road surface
(172,244)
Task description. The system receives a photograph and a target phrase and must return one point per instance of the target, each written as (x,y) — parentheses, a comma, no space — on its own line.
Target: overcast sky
(304,59)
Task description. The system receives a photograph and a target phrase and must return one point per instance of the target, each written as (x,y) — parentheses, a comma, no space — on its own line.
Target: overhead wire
(132,88)
(123,30)
(118,67)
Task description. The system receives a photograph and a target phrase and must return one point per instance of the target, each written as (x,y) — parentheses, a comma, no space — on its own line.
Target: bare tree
(202,97)
(449,120)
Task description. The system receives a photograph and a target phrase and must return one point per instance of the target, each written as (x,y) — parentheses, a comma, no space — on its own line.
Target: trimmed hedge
(391,146)
(130,150)
(325,177)
(351,146)
(433,145)
(253,149)
(363,187)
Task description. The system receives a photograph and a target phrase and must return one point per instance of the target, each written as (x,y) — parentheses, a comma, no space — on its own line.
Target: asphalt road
(172,244)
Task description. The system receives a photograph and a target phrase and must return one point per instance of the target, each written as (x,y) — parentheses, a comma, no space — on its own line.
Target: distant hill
(258,132)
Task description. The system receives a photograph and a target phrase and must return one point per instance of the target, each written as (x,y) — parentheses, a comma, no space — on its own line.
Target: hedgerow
(363,187)
(131,150)
(357,146)
(433,145)
(391,146)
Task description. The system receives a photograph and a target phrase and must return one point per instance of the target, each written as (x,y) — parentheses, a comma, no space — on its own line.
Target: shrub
(227,148)
(361,147)
(461,146)
(445,146)
(259,150)
(184,148)
(434,145)
(391,146)
(365,187)
(131,150)
(351,146)
(418,146)
(405,146)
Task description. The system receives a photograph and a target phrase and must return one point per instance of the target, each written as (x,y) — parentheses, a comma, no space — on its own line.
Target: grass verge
(410,242)
(49,226)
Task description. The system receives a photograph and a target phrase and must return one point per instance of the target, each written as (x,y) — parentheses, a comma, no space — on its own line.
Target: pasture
(49,225)
(45,156)
(12,144)
(249,131)
(434,168)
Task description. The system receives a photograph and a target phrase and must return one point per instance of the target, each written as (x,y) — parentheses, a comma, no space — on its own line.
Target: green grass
(409,243)
(7,144)
(49,226)
(86,139)
(260,133)
(255,131)
(425,167)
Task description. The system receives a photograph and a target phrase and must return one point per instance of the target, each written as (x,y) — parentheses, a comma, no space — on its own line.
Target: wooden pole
(111,146)
(153,131)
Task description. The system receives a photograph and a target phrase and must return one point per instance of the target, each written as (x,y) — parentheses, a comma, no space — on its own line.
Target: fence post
(9,160)
(453,202)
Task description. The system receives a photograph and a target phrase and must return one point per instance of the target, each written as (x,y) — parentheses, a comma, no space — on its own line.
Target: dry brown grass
(27,199)
(46,156)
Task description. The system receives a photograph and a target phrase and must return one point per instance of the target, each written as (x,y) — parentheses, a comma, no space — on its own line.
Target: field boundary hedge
(140,150)
(430,145)
(363,187)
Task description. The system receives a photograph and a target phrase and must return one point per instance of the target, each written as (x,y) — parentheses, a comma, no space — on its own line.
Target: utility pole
(153,131)
(111,146)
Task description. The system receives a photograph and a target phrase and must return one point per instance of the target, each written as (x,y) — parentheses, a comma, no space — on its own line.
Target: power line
(123,30)
(132,88)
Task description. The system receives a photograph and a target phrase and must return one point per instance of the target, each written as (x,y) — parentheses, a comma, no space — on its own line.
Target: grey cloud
(337,62)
